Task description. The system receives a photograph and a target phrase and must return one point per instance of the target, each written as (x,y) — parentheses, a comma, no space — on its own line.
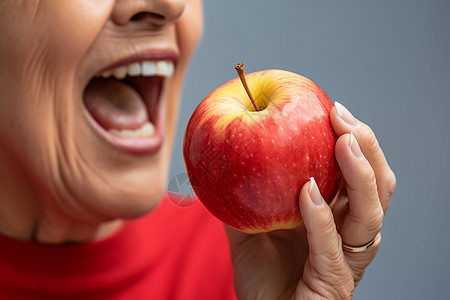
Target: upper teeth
(144,68)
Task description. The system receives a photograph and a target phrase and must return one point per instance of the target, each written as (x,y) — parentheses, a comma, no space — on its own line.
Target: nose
(157,12)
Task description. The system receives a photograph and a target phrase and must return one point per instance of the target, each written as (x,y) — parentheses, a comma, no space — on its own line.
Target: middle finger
(363,220)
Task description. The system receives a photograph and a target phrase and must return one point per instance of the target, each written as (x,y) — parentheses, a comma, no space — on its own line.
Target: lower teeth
(147,130)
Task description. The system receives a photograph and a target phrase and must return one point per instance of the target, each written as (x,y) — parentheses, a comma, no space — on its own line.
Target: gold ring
(360,248)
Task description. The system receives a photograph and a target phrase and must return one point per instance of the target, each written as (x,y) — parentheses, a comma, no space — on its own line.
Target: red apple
(247,163)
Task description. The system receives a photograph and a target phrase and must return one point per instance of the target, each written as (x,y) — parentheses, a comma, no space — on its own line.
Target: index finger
(344,122)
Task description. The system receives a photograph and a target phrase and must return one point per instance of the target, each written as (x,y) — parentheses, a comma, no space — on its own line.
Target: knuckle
(375,223)
(370,177)
(340,285)
(370,216)
(391,180)
(367,180)
(370,222)
(327,224)
(335,256)
(388,189)
(370,143)
(335,283)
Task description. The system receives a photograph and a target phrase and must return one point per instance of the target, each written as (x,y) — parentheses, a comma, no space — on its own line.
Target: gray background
(389,63)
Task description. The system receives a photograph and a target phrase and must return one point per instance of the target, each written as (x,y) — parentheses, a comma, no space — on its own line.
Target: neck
(56,231)
(24,222)
(47,233)
(26,215)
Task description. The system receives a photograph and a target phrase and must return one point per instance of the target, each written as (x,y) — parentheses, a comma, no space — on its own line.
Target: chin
(134,204)
(102,188)
(125,200)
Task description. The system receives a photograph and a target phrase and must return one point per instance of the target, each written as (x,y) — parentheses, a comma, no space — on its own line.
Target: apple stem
(241,72)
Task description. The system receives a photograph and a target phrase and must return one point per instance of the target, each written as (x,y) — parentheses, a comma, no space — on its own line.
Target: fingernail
(314,193)
(354,146)
(345,115)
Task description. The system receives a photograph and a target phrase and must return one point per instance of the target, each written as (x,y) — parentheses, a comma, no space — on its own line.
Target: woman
(89,95)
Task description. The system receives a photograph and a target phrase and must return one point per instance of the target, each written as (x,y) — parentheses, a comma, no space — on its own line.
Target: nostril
(144,15)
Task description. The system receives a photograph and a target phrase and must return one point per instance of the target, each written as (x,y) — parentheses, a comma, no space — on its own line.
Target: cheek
(190,28)
(40,49)
(73,28)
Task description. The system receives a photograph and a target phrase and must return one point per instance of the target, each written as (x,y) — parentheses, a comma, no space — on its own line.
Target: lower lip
(143,146)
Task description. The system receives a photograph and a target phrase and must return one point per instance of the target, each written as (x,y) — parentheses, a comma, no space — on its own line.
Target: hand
(309,262)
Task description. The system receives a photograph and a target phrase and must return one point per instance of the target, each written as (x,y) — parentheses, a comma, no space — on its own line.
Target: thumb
(326,271)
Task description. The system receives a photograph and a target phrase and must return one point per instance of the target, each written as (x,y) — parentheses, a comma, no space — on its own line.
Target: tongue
(115,104)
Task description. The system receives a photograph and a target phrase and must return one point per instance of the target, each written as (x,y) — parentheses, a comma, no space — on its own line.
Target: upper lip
(151,54)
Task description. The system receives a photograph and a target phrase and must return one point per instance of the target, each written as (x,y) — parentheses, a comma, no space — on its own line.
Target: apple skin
(247,167)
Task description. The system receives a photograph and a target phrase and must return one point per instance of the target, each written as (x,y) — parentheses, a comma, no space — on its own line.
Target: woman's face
(94,148)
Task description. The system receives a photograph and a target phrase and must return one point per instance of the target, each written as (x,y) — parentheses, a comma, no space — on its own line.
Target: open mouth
(125,106)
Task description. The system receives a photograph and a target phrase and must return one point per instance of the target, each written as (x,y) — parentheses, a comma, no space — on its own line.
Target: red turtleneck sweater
(171,253)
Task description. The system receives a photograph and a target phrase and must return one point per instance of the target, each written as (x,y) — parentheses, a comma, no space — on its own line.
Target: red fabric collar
(167,246)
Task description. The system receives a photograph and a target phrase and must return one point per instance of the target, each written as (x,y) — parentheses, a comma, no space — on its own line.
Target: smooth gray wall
(389,62)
